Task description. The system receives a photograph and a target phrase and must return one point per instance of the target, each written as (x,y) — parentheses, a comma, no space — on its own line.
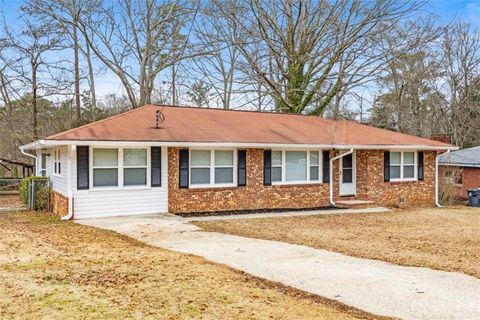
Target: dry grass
(61,270)
(10,201)
(445,239)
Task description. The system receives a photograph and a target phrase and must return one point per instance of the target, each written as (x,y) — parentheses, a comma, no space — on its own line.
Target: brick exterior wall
(471,180)
(59,204)
(370,186)
(253,196)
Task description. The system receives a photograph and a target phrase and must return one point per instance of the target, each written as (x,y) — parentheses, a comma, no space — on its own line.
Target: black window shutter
(326,166)
(386,166)
(183,169)
(242,168)
(267,167)
(83,179)
(421,170)
(156,165)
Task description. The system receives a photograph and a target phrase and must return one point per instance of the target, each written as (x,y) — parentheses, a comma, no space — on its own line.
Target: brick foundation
(370,186)
(59,204)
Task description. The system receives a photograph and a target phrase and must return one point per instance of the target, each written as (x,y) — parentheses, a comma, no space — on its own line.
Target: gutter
(69,215)
(31,156)
(332,202)
(437,202)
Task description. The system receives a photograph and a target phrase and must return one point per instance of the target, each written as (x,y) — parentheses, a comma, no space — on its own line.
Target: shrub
(42,192)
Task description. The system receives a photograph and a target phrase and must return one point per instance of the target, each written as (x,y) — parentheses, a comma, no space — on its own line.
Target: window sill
(297,183)
(212,186)
(100,189)
(403,180)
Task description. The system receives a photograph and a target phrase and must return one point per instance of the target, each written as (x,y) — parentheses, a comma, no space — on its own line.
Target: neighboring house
(462,169)
(205,160)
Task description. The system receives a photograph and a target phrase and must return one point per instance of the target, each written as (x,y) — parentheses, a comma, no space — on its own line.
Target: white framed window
(403,165)
(105,167)
(296,166)
(127,167)
(211,168)
(57,164)
(134,167)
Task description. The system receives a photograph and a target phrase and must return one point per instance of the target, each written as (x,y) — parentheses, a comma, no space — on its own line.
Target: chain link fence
(35,193)
(10,185)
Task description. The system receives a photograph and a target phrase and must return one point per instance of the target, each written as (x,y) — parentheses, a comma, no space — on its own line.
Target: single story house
(462,169)
(157,159)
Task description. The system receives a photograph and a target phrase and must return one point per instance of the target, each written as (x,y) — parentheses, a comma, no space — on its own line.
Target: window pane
(224,175)
(105,177)
(105,157)
(277,174)
(44,161)
(313,158)
(276,158)
(296,165)
(313,173)
(347,161)
(200,158)
(408,172)
(134,177)
(224,158)
(394,158)
(135,157)
(408,158)
(347,176)
(200,176)
(394,172)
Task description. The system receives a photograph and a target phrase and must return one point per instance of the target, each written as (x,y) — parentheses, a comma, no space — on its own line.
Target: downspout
(31,156)
(331,173)
(437,202)
(69,215)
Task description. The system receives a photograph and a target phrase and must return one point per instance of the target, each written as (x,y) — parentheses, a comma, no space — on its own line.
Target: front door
(348,185)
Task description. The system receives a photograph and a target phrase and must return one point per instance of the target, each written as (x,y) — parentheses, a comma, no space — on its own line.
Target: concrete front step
(356,203)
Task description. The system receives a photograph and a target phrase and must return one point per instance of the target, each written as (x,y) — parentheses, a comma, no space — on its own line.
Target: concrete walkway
(374,286)
(286,214)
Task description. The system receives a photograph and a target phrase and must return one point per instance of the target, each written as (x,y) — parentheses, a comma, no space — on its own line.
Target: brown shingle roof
(184,124)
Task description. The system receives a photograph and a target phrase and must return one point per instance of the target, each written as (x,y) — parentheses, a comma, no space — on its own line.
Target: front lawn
(61,270)
(445,239)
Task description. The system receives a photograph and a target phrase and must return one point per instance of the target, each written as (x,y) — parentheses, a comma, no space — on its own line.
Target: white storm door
(348,186)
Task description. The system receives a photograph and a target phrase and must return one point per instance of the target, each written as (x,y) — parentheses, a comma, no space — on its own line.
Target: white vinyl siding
(117,201)
(58,155)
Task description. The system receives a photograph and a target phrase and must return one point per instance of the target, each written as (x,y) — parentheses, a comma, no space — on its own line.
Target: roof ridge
(244,111)
(98,121)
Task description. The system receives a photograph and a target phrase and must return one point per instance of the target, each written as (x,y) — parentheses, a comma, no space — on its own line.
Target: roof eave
(52,143)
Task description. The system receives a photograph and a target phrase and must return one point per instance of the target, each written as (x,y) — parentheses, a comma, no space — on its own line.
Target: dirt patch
(52,269)
(444,239)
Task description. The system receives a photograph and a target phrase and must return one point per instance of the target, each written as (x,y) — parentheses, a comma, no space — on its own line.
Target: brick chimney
(441,137)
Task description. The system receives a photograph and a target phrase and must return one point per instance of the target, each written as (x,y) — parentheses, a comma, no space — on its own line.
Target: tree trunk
(34,99)
(78,110)
(91,82)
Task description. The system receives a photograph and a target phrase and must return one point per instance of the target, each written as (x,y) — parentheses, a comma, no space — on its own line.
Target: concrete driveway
(374,286)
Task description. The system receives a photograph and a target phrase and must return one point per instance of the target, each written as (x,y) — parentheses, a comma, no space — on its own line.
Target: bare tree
(30,46)
(137,40)
(305,41)
(459,87)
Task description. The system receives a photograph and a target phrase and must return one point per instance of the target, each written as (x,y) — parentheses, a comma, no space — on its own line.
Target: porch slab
(286,214)
(354,202)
